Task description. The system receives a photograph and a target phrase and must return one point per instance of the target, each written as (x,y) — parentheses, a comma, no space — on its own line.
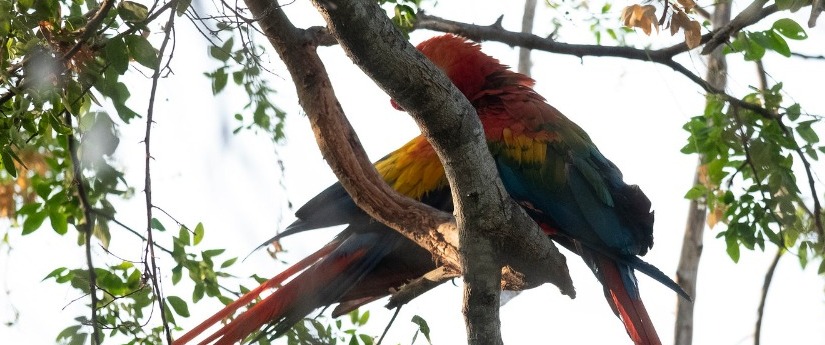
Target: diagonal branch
(760,311)
(434,230)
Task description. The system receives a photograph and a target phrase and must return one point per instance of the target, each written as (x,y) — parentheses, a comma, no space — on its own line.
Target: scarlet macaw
(549,166)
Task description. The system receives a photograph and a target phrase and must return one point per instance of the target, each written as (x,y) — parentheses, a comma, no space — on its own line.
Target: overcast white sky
(633,110)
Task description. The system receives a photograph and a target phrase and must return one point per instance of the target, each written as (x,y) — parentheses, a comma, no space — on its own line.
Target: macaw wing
(562,178)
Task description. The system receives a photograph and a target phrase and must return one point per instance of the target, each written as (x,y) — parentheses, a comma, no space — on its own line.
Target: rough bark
(688,270)
(489,223)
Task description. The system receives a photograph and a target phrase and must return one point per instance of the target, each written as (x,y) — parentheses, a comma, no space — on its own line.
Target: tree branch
(150,248)
(750,15)
(524,63)
(373,43)
(764,296)
(419,286)
(663,56)
(87,227)
(688,270)
(485,214)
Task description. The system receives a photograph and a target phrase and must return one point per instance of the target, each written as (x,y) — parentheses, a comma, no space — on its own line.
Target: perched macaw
(549,166)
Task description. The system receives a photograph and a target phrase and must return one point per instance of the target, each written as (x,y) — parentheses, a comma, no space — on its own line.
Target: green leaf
(34,221)
(101,232)
(366,339)
(59,221)
(198,234)
(68,332)
(212,252)
(793,5)
(157,225)
(237,77)
(224,52)
(753,50)
(793,112)
(218,53)
(790,29)
(29,208)
(696,192)
(179,305)
(197,293)
(54,273)
(364,318)
(8,163)
(182,6)
(779,44)
(177,274)
(806,132)
(219,79)
(422,326)
(183,236)
(132,12)
(732,247)
(142,51)
(803,254)
(117,55)
(821,270)
(230,262)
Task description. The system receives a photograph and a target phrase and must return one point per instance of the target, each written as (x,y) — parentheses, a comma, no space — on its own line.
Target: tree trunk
(688,270)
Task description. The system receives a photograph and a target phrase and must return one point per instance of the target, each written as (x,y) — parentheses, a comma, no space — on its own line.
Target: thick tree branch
(371,40)
(432,229)
(449,121)
(492,228)
(688,269)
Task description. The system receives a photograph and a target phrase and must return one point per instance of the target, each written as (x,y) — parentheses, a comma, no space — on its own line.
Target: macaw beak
(395,105)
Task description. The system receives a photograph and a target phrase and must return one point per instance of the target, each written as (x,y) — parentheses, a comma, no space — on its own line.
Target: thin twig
(806,56)
(87,227)
(765,286)
(150,250)
(663,56)
(387,329)
(128,228)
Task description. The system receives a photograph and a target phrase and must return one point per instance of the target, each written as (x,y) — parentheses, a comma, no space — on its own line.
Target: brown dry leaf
(678,21)
(7,204)
(687,4)
(716,215)
(693,34)
(702,171)
(643,17)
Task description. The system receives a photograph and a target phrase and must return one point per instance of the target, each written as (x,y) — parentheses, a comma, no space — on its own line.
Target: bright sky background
(633,110)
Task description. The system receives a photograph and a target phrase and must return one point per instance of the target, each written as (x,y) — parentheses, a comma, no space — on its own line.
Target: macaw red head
(461,60)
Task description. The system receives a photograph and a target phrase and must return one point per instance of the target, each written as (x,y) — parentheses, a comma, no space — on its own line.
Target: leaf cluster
(749,173)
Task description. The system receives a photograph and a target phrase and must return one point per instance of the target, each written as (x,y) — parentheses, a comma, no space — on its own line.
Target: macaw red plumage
(549,166)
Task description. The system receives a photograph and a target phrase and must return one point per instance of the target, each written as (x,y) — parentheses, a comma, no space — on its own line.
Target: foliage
(65,94)
(65,65)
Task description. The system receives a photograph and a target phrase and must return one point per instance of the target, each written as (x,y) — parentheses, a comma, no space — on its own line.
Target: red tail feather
(629,308)
(249,297)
